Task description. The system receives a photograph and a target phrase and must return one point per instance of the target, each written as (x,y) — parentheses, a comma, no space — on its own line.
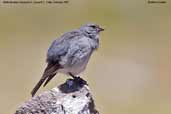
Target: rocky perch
(72,97)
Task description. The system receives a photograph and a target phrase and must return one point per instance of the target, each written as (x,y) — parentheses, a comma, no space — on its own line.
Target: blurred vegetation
(130,73)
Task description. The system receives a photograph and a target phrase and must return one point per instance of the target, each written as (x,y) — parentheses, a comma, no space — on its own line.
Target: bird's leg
(78,79)
(70,82)
(74,77)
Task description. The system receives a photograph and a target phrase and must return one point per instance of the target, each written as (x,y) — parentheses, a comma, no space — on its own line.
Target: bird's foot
(70,83)
(80,81)
(73,84)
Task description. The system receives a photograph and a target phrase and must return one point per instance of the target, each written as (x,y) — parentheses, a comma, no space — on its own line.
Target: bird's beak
(101,29)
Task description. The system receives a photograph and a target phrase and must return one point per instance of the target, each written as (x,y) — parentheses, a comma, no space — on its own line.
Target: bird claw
(80,81)
(70,83)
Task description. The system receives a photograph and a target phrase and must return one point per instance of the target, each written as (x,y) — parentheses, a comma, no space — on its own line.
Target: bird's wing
(60,46)
(57,49)
(50,72)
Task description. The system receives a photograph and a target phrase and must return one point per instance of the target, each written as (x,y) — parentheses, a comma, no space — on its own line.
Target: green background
(129,74)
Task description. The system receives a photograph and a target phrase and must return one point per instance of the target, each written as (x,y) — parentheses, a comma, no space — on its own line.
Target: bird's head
(91,29)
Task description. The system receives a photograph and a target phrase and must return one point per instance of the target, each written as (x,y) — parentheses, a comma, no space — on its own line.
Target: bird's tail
(48,74)
(41,81)
(35,89)
(48,79)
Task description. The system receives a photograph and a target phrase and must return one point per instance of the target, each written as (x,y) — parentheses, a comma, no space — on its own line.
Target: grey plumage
(70,53)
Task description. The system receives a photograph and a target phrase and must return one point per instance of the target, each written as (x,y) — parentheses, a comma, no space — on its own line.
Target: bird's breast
(77,67)
(78,55)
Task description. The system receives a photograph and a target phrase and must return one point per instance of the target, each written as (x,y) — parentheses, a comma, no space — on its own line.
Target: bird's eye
(93,26)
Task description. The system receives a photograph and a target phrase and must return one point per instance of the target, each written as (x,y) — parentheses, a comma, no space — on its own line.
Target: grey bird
(70,53)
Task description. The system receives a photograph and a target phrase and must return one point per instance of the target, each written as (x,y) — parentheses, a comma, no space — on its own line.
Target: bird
(70,53)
